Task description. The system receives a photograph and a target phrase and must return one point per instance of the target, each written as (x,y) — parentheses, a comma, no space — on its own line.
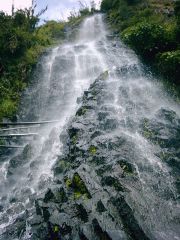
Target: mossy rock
(68,182)
(82,111)
(77,186)
(61,195)
(93,150)
(61,166)
(126,167)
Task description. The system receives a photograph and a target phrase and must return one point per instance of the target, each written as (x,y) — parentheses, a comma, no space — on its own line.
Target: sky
(57,9)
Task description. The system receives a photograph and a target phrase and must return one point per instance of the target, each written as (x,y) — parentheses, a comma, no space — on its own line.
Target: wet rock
(61,195)
(117,235)
(1,208)
(127,167)
(100,207)
(20,159)
(99,231)
(81,212)
(112,182)
(49,196)
(82,236)
(128,219)
(109,124)
(167,115)
(61,166)
(79,186)
(38,209)
(46,214)
(36,221)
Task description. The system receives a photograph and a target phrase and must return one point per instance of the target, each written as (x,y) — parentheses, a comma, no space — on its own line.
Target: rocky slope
(97,192)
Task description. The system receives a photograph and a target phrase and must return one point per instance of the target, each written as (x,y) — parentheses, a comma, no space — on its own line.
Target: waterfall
(134,98)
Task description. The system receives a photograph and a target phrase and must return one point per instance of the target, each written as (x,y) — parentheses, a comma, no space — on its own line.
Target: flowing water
(61,77)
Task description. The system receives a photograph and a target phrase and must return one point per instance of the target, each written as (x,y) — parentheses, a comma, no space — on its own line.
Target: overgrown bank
(152,29)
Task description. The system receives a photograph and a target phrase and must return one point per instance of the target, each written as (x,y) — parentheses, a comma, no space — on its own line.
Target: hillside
(152,29)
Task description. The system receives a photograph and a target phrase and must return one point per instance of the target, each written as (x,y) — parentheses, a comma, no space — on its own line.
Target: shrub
(169,64)
(148,39)
(8,108)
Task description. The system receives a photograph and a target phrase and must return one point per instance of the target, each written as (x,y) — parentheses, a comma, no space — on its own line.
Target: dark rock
(49,196)
(128,219)
(81,212)
(100,207)
(79,186)
(65,229)
(38,209)
(112,182)
(61,196)
(46,214)
(1,208)
(99,231)
(127,167)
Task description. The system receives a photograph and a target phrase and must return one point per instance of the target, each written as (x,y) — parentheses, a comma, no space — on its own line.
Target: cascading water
(130,98)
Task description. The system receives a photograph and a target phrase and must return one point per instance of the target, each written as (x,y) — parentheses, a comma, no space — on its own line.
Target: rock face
(89,199)
(164,131)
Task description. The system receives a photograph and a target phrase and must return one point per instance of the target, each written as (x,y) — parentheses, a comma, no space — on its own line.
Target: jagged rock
(100,207)
(99,231)
(49,196)
(127,216)
(81,212)
(112,182)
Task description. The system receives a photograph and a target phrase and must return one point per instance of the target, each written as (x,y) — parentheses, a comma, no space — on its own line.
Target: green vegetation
(21,43)
(93,150)
(78,186)
(152,29)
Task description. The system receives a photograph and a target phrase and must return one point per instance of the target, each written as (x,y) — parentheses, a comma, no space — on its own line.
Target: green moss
(56,229)
(93,150)
(77,186)
(68,182)
(147,132)
(74,140)
(77,195)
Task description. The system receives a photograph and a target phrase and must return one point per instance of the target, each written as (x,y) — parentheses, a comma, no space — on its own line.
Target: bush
(148,39)
(169,64)
(8,108)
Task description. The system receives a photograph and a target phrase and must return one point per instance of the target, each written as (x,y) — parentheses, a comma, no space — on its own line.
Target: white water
(61,77)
